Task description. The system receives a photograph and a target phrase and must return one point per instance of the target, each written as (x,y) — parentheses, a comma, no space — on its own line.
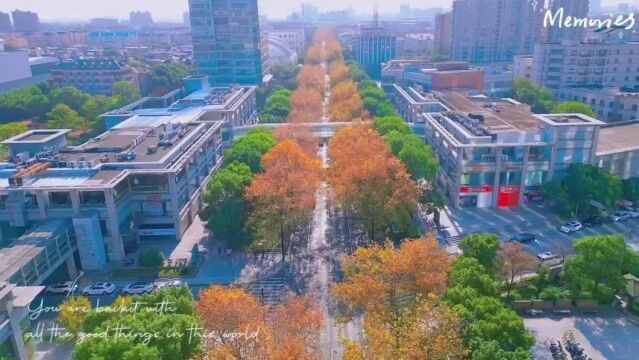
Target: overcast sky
(173,9)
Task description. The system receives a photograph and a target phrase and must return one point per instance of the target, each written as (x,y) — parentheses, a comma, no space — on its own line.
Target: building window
(60,199)
(92,198)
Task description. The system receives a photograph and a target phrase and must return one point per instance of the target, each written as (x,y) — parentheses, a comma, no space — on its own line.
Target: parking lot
(537,220)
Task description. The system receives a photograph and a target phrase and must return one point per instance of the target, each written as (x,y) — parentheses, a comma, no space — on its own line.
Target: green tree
(11,129)
(285,76)
(598,266)
(573,107)
(482,247)
(69,96)
(63,117)
(98,105)
(151,258)
(225,210)
(72,313)
(630,189)
(582,184)
(24,103)
(277,107)
(420,161)
(384,125)
(171,329)
(164,78)
(540,99)
(469,273)
(250,148)
(125,92)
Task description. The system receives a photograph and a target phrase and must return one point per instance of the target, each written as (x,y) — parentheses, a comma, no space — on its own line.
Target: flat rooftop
(18,253)
(499,115)
(618,138)
(35,136)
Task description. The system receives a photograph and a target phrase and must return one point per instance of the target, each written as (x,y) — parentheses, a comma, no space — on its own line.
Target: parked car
(619,216)
(138,288)
(523,238)
(595,220)
(634,213)
(62,287)
(571,227)
(550,259)
(100,288)
(163,282)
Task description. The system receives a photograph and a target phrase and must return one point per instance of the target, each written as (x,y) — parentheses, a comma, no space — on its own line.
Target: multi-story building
(443,33)
(618,149)
(498,80)
(141,19)
(14,310)
(413,101)
(496,153)
(485,31)
(5,23)
(25,21)
(414,46)
(573,8)
(372,46)
(228,42)
(14,65)
(440,76)
(93,76)
(293,37)
(571,63)
(610,103)
(523,67)
(142,179)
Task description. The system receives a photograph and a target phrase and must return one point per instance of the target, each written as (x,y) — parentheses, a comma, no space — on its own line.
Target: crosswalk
(270,291)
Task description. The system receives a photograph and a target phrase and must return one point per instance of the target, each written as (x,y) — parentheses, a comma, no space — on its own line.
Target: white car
(550,259)
(162,283)
(138,288)
(63,287)
(100,288)
(619,216)
(571,227)
(634,213)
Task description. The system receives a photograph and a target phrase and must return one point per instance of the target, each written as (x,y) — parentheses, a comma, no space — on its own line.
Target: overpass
(322,130)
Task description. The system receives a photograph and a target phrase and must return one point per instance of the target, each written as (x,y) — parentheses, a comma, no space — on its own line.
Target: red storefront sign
(508,196)
(475,189)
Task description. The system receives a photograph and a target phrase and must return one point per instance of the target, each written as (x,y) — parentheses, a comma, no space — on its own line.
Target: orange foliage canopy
(312,77)
(376,277)
(368,180)
(338,72)
(284,193)
(289,331)
(306,106)
(346,103)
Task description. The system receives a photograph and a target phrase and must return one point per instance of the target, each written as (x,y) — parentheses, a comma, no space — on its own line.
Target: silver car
(138,288)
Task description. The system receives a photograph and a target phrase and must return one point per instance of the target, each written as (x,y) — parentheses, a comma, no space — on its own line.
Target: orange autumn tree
(378,278)
(338,72)
(396,290)
(369,181)
(312,77)
(282,197)
(346,103)
(306,106)
(288,331)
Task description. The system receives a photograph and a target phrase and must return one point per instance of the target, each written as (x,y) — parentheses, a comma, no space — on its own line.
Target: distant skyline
(77,10)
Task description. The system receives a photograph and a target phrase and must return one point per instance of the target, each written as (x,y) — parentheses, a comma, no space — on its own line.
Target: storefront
(476,196)
(508,196)
(532,194)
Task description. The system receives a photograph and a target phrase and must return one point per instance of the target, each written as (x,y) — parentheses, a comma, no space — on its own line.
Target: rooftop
(35,136)
(18,253)
(618,138)
(90,64)
(498,115)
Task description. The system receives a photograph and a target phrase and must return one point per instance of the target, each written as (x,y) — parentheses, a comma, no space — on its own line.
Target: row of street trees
(345,102)
(225,208)
(369,182)
(225,323)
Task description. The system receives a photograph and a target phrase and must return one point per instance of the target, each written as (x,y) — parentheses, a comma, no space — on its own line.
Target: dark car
(595,220)
(523,238)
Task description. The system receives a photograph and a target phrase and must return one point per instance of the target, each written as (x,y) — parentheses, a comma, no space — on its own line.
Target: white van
(550,259)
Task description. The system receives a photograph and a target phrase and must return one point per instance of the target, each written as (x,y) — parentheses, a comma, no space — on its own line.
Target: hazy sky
(173,9)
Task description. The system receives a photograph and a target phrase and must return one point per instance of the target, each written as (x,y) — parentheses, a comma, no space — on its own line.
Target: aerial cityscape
(360,179)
